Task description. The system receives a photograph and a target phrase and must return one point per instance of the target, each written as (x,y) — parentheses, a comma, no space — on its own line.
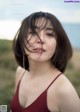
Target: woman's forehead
(43,23)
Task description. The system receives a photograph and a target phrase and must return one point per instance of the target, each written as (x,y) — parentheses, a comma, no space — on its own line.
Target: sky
(12,12)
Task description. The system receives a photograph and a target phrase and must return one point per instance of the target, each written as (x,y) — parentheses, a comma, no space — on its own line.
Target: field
(8,67)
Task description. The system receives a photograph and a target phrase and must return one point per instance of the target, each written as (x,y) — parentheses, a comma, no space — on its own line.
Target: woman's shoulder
(68,96)
(19,73)
(64,86)
(65,94)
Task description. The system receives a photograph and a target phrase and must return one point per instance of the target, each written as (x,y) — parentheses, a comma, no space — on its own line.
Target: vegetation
(7,72)
(8,67)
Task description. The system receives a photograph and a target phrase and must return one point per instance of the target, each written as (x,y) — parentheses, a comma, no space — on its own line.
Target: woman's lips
(38,50)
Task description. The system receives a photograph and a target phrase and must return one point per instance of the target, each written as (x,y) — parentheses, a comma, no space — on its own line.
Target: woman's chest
(30,94)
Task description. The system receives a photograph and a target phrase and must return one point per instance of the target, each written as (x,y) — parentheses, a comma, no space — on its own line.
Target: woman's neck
(40,68)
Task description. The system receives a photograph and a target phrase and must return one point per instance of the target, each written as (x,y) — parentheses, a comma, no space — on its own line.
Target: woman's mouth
(38,50)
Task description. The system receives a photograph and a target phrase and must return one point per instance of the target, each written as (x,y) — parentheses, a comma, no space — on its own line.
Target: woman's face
(43,45)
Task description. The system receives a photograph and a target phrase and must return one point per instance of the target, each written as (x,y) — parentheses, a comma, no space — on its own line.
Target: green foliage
(7,72)
(6,95)
(5,46)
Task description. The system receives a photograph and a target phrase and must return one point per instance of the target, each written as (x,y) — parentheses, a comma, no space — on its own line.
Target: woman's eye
(50,34)
(32,33)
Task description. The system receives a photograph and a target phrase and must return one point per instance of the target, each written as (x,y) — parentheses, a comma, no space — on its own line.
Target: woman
(42,50)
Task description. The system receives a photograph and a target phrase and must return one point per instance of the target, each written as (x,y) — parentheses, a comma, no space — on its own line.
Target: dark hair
(63,50)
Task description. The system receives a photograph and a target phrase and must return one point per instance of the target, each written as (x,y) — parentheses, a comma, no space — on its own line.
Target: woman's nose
(41,39)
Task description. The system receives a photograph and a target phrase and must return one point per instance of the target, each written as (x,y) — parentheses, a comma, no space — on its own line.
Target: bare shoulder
(65,87)
(19,72)
(63,96)
(68,99)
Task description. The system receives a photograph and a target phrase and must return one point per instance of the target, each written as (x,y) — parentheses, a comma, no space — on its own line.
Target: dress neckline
(44,92)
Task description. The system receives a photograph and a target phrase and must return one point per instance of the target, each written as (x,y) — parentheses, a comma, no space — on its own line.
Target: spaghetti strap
(20,82)
(22,76)
(54,80)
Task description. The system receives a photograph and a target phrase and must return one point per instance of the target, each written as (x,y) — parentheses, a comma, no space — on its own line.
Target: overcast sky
(12,12)
(18,9)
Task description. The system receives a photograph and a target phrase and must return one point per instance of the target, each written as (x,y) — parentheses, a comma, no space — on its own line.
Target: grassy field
(8,67)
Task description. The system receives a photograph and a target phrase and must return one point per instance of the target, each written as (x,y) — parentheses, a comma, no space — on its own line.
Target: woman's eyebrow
(50,29)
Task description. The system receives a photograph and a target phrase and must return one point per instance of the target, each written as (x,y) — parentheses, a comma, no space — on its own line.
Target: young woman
(42,50)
